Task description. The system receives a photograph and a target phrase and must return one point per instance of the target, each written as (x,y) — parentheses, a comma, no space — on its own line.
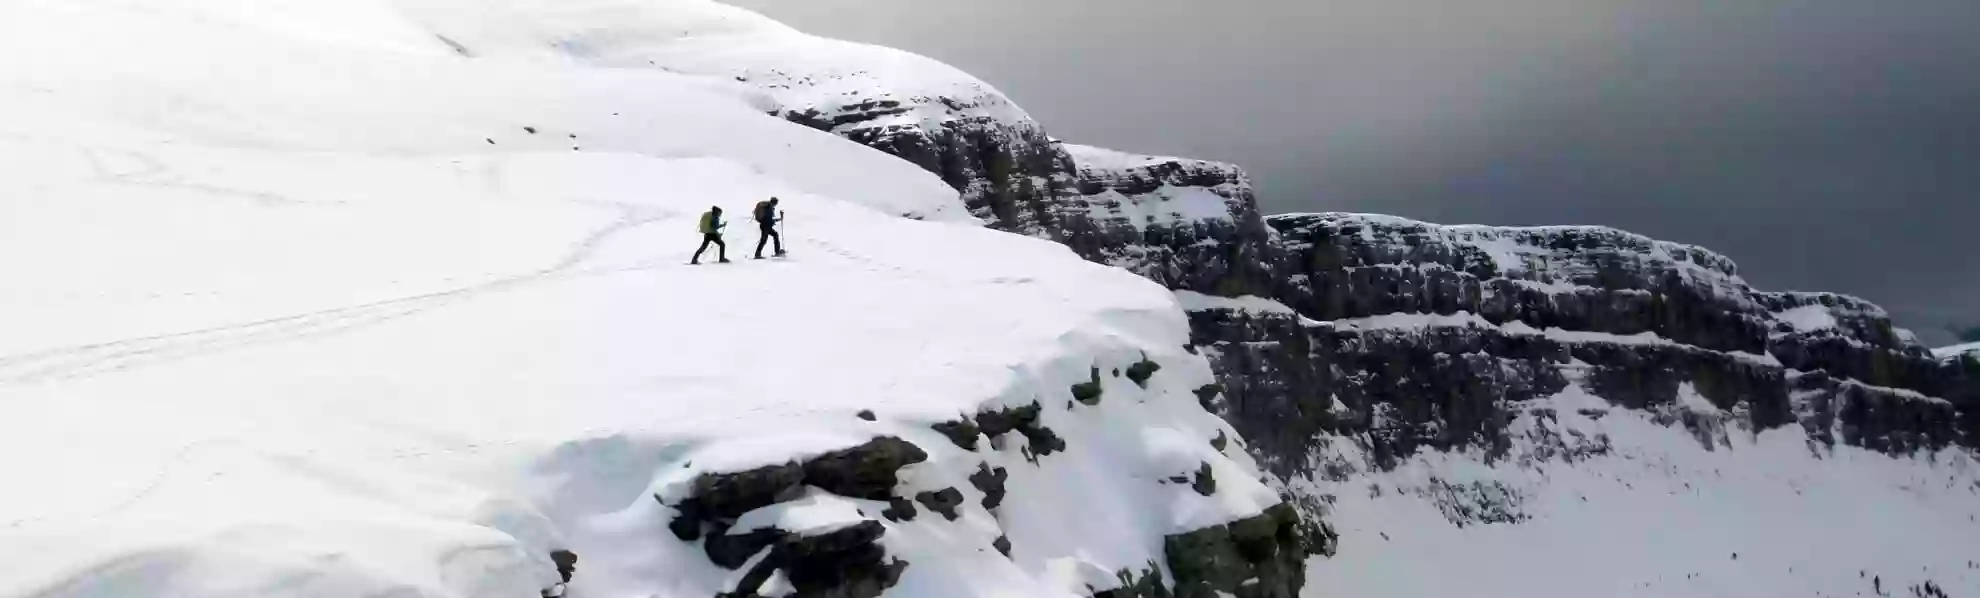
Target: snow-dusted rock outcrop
(1188,224)
(1500,397)
(1412,336)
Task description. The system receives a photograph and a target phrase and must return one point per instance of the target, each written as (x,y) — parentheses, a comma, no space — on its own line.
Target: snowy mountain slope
(302,307)
(927,112)
(1601,500)
(1955,351)
(1571,411)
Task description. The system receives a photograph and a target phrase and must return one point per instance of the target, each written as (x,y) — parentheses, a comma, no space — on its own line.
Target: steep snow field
(1597,500)
(1594,499)
(301,299)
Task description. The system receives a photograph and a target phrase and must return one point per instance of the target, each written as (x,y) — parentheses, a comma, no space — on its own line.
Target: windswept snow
(1955,351)
(1194,301)
(743,49)
(303,299)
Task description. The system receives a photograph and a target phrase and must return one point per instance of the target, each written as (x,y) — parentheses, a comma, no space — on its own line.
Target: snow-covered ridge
(1143,191)
(1956,351)
(1546,254)
(802,73)
(1105,162)
(333,299)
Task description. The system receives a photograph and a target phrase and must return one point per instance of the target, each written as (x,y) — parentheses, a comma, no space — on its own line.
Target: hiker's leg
(775,236)
(705,239)
(763,237)
(721,249)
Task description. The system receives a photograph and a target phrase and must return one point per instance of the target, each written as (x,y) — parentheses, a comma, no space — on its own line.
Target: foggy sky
(1823,144)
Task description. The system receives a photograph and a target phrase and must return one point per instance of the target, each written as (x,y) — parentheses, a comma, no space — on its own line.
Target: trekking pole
(781,228)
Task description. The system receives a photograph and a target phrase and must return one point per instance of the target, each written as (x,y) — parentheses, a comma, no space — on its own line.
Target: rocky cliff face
(1406,336)
(1008,171)
(1189,224)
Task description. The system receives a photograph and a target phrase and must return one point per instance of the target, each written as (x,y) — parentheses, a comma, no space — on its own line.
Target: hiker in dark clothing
(711,232)
(766,224)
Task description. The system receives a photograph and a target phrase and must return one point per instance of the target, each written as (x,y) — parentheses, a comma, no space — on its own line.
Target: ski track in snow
(97,358)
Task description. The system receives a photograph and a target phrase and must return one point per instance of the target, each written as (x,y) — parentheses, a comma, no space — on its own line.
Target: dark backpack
(765,213)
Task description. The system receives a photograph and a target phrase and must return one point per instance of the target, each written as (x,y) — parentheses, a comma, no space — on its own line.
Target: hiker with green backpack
(711,232)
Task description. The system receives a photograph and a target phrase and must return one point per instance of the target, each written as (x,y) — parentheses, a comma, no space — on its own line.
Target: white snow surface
(1955,351)
(1194,301)
(296,306)
(1110,160)
(1809,318)
(1660,515)
(790,70)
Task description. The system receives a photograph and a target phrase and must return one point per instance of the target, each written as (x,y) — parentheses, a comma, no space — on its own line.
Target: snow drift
(367,298)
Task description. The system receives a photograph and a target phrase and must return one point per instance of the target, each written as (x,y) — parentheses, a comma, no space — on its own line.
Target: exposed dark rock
(1316,534)
(963,432)
(1205,482)
(1220,441)
(1146,583)
(1043,440)
(1088,392)
(844,563)
(686,525)
(1009,173)
(865,471)
(716,497)
(1207,395)
(1142,371)
(733,550)
(867,414)
(944,501)
(848,563)
(1259,557)
(1446,386)
(1000,422)
(1003,545)
(1117,212)
(566,562)
(991,483)
(1024,421)
(1476,503)
(899,510)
